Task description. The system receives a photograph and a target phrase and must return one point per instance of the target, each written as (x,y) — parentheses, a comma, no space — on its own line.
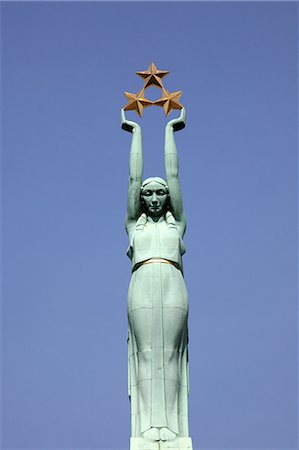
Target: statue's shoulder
(132,226)
(169,218)
(180,225)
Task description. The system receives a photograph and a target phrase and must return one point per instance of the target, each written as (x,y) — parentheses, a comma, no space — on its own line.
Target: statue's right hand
(178,123)
(128,125)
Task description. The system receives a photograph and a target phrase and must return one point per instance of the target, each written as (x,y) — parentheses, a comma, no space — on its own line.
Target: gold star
(169,101)
(137,102)
(152,76)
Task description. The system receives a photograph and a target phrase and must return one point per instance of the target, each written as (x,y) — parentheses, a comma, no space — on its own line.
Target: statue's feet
(167,435)
(152,434)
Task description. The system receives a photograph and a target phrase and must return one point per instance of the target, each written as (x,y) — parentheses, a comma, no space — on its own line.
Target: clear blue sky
(65,171)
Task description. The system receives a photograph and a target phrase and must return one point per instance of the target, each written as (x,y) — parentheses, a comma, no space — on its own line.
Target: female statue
(157,297)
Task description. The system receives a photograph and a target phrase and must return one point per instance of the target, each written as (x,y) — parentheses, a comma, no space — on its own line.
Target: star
(152,76)
(137,102)
(169,101)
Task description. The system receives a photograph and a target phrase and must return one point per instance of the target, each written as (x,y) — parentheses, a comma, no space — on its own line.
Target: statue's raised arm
(172,170)
(136,171)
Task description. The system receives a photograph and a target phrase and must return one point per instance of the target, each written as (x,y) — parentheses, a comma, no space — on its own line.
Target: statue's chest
(156,236)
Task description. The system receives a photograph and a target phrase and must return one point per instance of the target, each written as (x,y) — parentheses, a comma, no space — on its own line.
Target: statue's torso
(156,240)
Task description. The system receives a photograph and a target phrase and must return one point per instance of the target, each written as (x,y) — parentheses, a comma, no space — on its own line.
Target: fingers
(183,115)
(128,125)
(178,123)
(122,115)
(125,124)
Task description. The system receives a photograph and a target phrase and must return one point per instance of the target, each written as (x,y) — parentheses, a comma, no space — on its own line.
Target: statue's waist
(156,261)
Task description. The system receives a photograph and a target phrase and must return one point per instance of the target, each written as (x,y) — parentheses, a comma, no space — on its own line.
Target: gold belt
(156,260)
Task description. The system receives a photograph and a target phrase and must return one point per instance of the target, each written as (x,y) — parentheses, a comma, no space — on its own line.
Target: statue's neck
(155,219)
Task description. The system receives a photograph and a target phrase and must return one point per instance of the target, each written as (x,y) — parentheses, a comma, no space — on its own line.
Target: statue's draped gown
(158,333)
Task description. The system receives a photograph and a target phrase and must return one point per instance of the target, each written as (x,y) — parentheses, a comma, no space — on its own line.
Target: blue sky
(65,171)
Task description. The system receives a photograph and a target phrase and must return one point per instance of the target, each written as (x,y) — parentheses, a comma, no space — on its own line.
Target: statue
(157,299)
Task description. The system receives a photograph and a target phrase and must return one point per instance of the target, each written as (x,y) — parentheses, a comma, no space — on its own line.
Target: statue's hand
(128,125)
(179,123)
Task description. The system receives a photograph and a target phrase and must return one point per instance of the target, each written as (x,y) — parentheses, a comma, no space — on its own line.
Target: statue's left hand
(179,123)
(128,125)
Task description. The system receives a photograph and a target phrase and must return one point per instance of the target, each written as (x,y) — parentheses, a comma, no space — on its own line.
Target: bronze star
(152,76)
(137,102)
(169,101)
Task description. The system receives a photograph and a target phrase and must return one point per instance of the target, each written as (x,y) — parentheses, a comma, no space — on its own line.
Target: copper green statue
(157,299)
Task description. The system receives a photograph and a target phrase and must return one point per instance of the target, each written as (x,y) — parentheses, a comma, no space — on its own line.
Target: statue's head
(154,197)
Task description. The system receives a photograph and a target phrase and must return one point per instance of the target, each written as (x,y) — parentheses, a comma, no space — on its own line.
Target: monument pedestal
(180,443)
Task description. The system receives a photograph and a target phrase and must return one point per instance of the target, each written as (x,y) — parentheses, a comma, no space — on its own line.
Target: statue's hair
(155,179)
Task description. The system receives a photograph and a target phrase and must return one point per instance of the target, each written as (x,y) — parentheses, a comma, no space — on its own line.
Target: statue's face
(154,197)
